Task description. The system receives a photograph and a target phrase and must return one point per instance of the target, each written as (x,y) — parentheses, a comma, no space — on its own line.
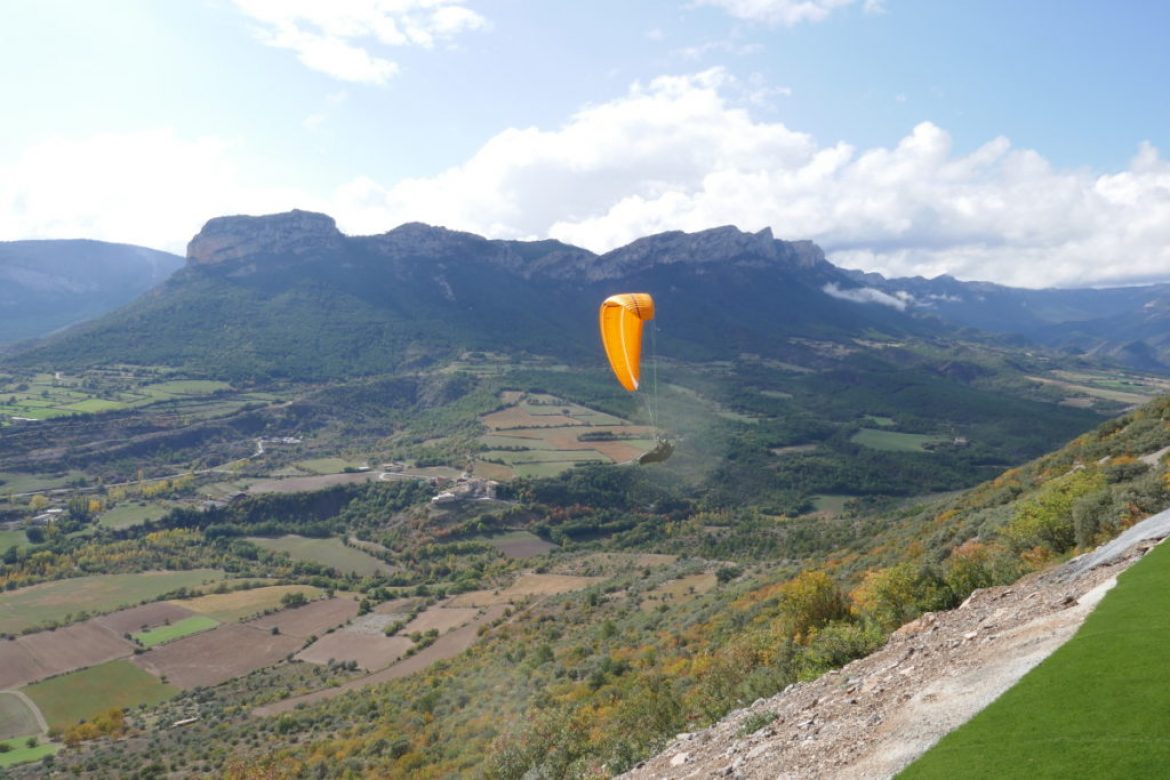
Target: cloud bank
(338,38)
(683,153)
(677,153)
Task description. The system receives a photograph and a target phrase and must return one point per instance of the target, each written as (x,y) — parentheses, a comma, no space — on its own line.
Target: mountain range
(48,285)
(289,295)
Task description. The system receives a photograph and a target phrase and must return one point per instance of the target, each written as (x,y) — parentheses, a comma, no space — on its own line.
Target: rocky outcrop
(720,245)
(302,233)
(297,233)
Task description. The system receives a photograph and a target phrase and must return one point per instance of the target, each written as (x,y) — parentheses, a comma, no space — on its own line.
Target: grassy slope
(327,552)
(1096,708)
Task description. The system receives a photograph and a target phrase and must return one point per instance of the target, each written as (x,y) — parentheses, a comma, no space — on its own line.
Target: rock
(680,759)
(293,233)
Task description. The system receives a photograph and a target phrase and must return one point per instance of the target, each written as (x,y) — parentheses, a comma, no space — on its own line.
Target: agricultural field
(830,504)
(519,544)
(326,552)
(20,753)
(16,484)
(892,441)
(128,514)
(539,435)
(55,601)
(312,619)
(17,718)
(45,396)
(370,652)
(441,619)
(216,656)
(169,633)
(1094,708)
(329,465)
(1089,388)
(77,696)
(12,539)
(244,604)
(129,621)
(447,646)
(299,484)
(47,653)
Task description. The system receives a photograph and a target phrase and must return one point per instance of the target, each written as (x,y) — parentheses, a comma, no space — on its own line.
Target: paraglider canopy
(621,318)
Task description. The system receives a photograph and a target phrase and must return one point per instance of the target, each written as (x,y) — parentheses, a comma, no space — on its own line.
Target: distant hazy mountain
(47,285)
(289,295)
(1129,325)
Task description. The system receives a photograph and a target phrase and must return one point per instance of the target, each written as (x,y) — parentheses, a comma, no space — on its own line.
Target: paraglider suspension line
(654,371)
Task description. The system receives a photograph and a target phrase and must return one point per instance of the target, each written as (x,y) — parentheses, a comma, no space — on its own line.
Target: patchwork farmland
(54,602)
(538,435)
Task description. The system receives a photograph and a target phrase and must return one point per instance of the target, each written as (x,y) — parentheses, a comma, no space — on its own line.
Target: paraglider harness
(660,453)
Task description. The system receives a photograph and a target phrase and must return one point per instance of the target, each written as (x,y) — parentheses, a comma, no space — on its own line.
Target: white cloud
(869,295)
(787,13)
(336,38)
(151,188)
(678,153)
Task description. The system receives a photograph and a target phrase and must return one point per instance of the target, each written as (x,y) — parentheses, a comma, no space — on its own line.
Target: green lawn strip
(126,515)
(326,465)
(71,698)
(327,552)
(52,601)
(90,405)
(545,456)
(1097,707)
(177,630)
(17,719)
(20,753)
(16,482)
(892,441)
(12,539)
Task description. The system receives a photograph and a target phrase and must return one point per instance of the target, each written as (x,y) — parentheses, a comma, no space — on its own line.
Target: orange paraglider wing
(621,318)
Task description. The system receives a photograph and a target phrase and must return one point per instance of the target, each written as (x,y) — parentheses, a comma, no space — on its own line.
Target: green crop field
(327,552)
(17,719)
(52,601)
(1096,707)
(326,465)
(177,630)
(15,482)
(892,441)
(20,753)
(242,604)
(833,504)
(78,696)
(126,515)
(12,539)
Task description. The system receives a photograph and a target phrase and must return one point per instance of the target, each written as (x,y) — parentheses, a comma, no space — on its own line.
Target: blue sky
(1020,142)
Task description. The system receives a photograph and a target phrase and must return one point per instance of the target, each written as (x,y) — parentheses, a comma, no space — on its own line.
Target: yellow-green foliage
(810,600)
(1045,519)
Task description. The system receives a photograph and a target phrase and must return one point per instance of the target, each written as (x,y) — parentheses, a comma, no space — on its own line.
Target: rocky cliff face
(722,245)
(298,233)
(303,234)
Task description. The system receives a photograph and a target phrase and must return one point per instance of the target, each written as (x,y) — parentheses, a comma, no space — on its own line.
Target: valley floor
(875,716)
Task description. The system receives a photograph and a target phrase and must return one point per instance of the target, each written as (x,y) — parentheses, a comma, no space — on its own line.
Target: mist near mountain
(48,285)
